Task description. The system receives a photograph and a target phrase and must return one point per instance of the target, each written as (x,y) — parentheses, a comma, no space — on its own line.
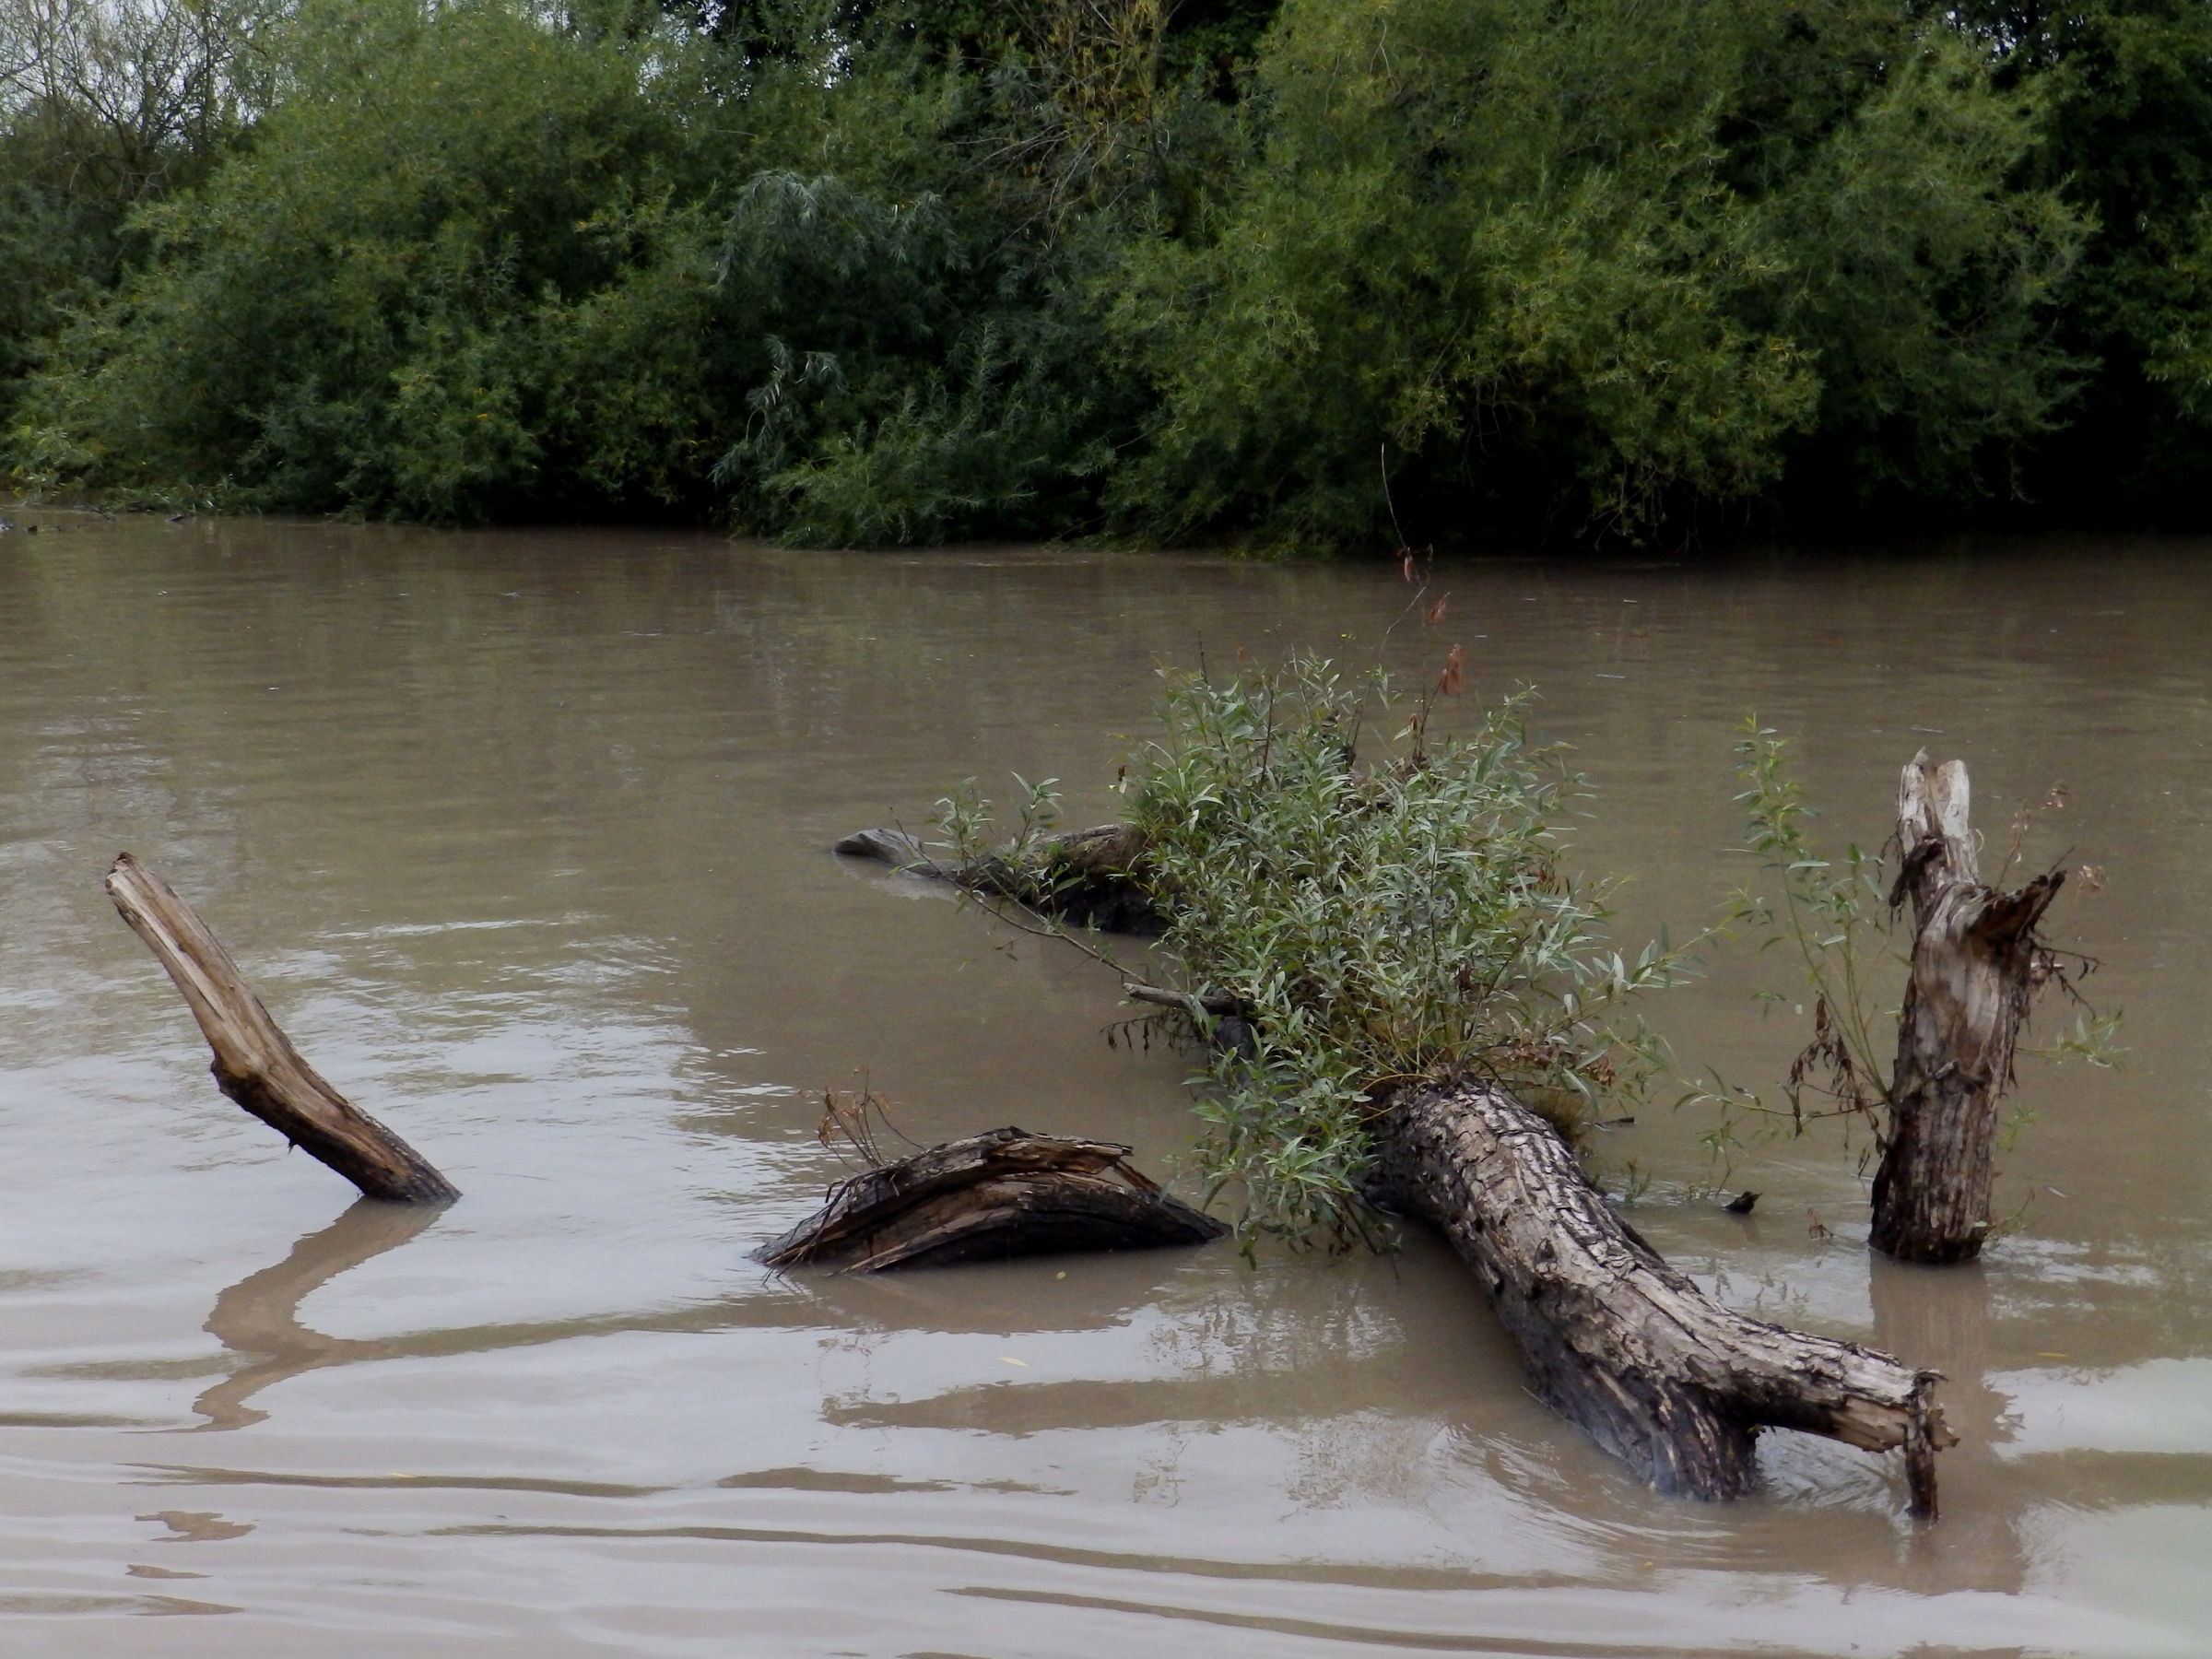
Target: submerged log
(903,851)
(1656,1371)
(1092,877)
(256,1063)
(1976,967)
(988,1198)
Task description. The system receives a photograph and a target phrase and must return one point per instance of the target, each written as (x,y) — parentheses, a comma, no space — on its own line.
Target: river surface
(522,835)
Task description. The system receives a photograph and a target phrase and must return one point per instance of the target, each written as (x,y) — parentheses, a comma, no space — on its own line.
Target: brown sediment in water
(521,836)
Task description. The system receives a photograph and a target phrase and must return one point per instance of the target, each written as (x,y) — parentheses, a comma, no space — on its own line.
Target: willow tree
(1597,259)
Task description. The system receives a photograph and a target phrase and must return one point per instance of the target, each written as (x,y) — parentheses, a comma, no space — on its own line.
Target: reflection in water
(258,1318)
(1427,1641)
(143,1607)
(1941,1317)
(197,1526)
(995,1298)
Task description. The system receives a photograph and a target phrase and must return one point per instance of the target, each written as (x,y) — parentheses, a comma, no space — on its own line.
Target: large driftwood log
(987,1198)
(1657,1372)
(1976,966)
(1088,876)
(1654,1369)
(255,1064)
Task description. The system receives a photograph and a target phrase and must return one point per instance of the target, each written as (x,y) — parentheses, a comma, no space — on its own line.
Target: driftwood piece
(987,1198)
(1976,967)
(1091,878)
(255,1064)
(1654,1369)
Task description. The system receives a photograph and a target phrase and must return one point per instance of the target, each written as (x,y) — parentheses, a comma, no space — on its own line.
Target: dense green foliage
(1377,922)
(1547,280)
(1306,273)
(2123,90)
(1350,907)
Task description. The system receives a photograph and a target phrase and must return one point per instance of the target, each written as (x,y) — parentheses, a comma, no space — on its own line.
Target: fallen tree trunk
(1976,967)
(1624,1346)
(1091,878)
(255,1064)
(988,1198)
(1656,1371)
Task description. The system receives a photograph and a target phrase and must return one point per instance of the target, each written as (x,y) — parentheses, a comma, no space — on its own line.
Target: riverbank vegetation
(1296,274)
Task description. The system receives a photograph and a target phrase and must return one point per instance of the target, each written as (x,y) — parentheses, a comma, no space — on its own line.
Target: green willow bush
(476,264)
(1384,912)
(449,255)
(1593,262)
(918,386)
(106,106)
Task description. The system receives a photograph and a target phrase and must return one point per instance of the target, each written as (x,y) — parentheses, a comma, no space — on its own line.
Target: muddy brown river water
(522,836)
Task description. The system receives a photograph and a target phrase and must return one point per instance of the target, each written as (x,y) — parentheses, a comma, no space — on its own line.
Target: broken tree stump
(255,1064)
(987,1198)
(1656,1371)
(1091,878)
(1976,967)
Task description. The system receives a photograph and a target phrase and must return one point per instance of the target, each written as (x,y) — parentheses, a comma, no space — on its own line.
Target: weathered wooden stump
(987,1198)
(1976,968)
(256,1063)
(1656,1371)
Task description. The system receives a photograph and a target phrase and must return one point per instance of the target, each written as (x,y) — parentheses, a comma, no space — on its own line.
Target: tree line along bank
(1305,275)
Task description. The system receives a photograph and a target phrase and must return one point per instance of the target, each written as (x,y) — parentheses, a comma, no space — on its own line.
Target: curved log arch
(989,1197)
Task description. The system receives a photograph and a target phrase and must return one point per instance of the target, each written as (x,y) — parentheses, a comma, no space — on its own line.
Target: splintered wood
(255,1064)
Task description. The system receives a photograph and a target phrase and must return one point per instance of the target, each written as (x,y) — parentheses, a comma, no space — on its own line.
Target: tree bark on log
(987,1198)
(1657,1372)
(1976,967)
(255,1064)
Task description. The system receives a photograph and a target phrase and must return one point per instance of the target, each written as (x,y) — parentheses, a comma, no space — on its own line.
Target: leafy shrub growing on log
(1376,923)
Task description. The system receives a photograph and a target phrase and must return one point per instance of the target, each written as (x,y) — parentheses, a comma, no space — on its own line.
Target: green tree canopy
(1314,274)
(1596,261)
